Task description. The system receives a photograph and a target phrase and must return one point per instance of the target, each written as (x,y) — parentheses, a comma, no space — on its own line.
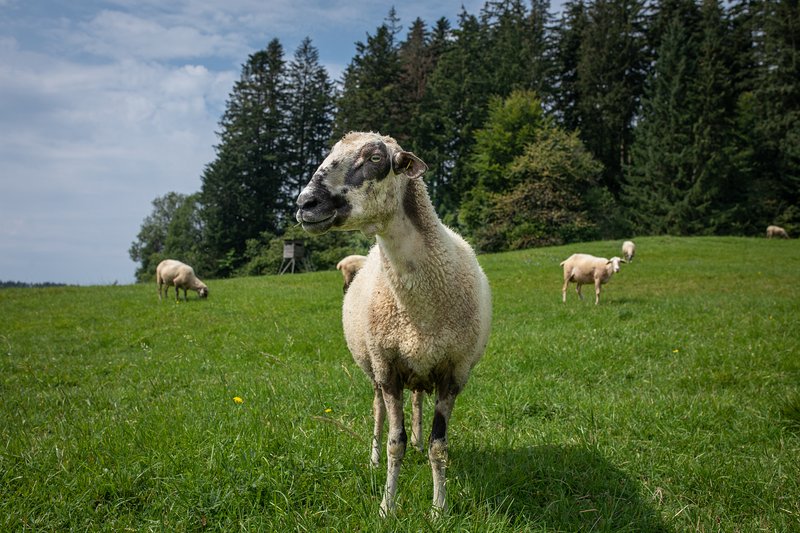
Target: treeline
(26,285)
(618,118)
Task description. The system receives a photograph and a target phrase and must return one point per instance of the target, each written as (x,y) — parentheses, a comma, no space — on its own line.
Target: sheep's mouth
(314,224)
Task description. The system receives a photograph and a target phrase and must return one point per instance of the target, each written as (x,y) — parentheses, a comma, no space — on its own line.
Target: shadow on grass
(561,488)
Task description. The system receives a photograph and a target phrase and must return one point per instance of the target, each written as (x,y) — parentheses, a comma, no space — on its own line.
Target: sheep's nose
(307,200)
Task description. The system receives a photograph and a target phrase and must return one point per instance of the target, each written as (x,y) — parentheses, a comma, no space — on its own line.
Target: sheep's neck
(412,245)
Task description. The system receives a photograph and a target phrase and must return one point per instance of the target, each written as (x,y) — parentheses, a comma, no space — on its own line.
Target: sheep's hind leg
(396,442)
(378,415)
(417,398)
(437,449)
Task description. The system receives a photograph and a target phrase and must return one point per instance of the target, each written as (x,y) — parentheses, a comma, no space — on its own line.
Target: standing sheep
(585,268)
(418,314)
(776,231)
(172,272)
(349,266)
(628,251)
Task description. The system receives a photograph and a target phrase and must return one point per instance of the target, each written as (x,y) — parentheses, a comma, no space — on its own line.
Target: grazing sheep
(628,251)
(418,313)
(776,231)
(172,272)
(348,267)
(585,268)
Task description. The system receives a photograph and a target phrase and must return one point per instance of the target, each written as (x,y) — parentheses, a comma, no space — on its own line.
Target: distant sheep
(585,268)
(418,313)
(776,231)
(171,272)
(628,250)
(348,267)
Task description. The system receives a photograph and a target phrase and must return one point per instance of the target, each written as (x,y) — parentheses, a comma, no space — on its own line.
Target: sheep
(585,268)
(776,231)
(628,251)
(348,267)
(418,314)
(172,272)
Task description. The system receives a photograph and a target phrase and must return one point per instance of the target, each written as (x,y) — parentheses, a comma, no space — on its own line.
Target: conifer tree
(309,117)
(610,76)
(242,189)
(371,90)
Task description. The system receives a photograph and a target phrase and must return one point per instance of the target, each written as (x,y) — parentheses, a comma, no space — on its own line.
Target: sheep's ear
(408,164)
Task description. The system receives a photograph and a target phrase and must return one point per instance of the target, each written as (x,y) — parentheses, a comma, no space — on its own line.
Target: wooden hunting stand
(293,251)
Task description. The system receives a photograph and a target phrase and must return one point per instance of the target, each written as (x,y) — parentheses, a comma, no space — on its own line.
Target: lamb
(172,272)
(585,268)
(418,314)
(776,231)
(628,251)
(348,267)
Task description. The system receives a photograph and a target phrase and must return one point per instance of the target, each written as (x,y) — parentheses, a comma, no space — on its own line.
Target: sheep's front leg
(396,442)
(416,419)
(437,449)
(379,415)
(597,284)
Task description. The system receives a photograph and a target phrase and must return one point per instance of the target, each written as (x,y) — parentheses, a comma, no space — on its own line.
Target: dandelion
(328,410)
(675,350)
(237,399)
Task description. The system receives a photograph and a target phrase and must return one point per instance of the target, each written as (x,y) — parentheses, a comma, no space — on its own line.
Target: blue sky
(105,105)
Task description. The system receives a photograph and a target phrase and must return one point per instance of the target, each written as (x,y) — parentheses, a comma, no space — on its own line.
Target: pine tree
(310,105)
(242,189)
(661,171)
(610,77)
(777,97)
(568,38)
(714,188)
(371,92)
(453,107)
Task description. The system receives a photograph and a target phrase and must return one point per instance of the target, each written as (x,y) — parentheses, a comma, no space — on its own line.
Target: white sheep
(585,268)
(776,231)
(171,272)
(349,266)
(628,250)
(418,314)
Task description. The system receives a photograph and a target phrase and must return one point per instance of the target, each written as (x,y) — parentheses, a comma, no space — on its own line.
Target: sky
(107,105)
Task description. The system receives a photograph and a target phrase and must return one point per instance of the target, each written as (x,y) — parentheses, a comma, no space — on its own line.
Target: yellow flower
(236,399)
(675,350)
(328,410)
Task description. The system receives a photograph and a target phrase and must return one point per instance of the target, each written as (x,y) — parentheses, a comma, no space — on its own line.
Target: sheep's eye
(375,158)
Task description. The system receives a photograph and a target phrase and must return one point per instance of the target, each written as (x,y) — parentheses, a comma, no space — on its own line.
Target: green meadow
(672,406)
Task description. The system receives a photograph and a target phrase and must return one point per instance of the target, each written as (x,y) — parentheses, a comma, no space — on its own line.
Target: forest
(611,119)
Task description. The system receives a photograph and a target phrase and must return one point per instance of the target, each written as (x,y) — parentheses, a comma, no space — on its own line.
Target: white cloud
(116,34)
(105,105)
(84,148)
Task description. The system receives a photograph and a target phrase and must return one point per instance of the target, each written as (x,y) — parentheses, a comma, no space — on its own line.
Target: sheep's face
(614,262)
(358,186)
(202,292)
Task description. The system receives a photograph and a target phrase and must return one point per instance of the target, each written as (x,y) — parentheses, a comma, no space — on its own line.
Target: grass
(672,406)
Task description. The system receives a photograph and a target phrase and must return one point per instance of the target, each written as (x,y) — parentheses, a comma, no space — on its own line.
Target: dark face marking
(372,164)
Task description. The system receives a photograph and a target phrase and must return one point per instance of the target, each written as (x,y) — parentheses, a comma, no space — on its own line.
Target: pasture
(672,406)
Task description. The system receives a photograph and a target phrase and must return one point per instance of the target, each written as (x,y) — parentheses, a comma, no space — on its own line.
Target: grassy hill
(674,405)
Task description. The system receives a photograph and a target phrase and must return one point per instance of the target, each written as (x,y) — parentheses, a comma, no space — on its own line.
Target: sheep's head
(614,262)
(202,292)
(358,186)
